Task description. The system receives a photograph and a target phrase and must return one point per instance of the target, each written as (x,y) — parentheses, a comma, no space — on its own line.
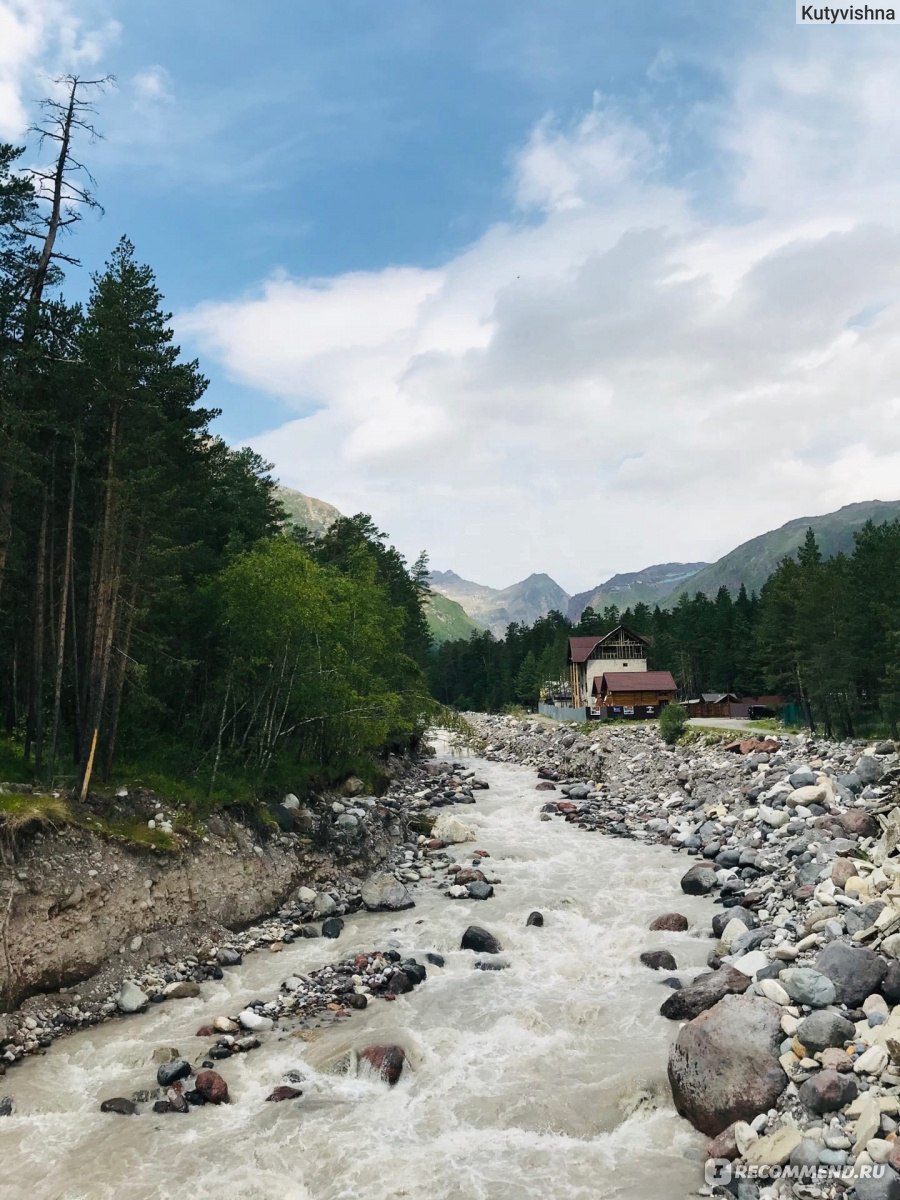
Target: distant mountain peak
(495,608)
(315,515)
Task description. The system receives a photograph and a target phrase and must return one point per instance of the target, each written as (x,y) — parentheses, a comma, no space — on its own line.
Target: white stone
(776,817)
(776,1149)
(131,998)
(879,1150)
(773,990)
(871,1061)
(250,1019)
(451,830)
(744,1136)
(749,964)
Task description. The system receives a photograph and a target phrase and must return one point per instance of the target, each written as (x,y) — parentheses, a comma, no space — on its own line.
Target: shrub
(672,721)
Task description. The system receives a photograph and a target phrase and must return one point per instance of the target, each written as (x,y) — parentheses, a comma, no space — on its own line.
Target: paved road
(723,723)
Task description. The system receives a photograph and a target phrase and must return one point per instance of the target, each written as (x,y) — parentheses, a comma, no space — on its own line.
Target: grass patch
(131,833)
(18,811)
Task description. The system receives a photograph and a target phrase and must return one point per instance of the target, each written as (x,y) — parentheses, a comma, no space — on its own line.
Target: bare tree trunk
(36,706)
(68,555)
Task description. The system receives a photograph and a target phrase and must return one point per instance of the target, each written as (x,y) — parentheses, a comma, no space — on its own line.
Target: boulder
(332,927)
(736,913)
(673,922)
(212,1087)
(823,1029)
(284,1092)
(254,1021)
(387,1061)
(882,1187)
(724,1064)
(659,960)
(450,830)
(130,998)
(890,985)
(478,939)
(858,823)
(868,769)
(384,893)
(119,1104)
(828,1091)
(703,993)
(182,990)
(171,1072)
(7,1106)
(227,956)
(535,918)
(699,880)
(855,971)
(806,986)
(479,890)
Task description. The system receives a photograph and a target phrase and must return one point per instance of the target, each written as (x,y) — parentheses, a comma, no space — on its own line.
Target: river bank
(94,926)
(790,1055)
(541,1075)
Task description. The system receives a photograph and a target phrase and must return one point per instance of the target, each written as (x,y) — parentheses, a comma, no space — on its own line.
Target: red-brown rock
(212,1087)
(386,1060)
(469,875)
(674,922)
(284,1092)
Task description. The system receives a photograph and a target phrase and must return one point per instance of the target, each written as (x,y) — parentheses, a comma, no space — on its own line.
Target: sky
(569,288)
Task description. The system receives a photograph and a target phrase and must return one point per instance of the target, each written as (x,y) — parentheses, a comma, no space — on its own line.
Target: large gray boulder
(868,769)
(724,1065)
(699,880)
(703,993)
(855,971)
(806,986)
(384,893)
(823,1029)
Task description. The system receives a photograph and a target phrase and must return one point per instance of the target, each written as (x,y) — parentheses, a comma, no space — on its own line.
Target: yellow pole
(90,766)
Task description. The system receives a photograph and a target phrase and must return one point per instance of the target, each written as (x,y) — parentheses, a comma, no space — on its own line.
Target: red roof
(580,648)
(635,681)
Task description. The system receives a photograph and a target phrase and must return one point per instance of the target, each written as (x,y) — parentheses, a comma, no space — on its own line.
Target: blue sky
(527,281)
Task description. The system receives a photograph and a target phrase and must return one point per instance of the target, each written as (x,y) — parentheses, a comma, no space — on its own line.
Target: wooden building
(637,694)
(711,704)
(619,650)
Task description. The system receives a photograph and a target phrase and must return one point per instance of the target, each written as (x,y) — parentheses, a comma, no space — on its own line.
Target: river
(545,1081)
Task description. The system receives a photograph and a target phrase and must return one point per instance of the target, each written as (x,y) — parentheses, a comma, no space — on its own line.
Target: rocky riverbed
(134,928)
(790,1055)
(501,1040)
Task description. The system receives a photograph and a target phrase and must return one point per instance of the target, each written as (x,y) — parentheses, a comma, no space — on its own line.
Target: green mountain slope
(314,515)
(649,586)
(447,620)
(754,561)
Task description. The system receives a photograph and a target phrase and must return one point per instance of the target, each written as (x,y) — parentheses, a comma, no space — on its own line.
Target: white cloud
(39,39)
(629,374)
(152,87)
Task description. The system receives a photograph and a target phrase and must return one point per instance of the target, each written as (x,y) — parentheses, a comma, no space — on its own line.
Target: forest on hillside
(824,633)
(153,611)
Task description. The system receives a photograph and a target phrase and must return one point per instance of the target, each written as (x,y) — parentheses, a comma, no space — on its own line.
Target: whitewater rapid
(544,1081)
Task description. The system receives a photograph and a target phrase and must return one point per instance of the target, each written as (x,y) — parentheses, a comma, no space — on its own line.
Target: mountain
(314,515)
(754,561)
(495,608)
(448,620)
(649,586)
